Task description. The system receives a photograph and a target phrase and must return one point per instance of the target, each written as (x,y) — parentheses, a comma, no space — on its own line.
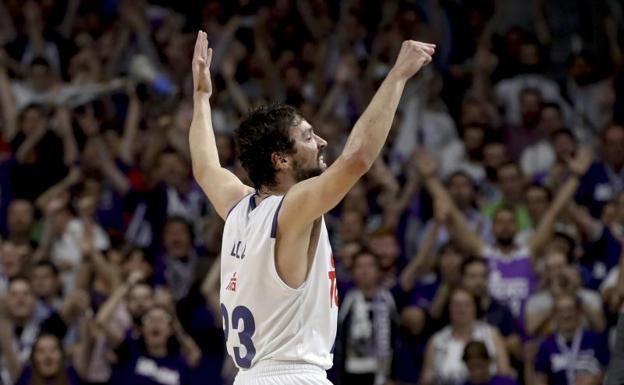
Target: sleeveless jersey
(263,318)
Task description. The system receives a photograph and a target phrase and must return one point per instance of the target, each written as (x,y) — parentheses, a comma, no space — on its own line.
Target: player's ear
(279,160)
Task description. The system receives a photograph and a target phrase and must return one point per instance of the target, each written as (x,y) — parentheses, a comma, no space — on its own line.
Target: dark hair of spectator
(552,105)
(549,194)
(448,247)
(363,251)
(472,260)
(475,349)
(564,131)
(17,278)
(571,244)
(610,126)
(510,164)
(40,61)
(531,90)
(479,313)
(461,173)
(180,219)
(145,253)
(505,207)
(262,133)
(48,264)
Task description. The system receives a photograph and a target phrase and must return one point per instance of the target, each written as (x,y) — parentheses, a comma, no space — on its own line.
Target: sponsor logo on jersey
(232,285)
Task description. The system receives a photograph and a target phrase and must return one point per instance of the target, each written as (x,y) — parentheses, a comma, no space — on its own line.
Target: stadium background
(105,234)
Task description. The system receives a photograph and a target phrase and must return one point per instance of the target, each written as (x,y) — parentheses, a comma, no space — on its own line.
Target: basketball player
(278,285)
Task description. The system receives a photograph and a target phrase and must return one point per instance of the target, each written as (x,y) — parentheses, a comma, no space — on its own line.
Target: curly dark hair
(264,131)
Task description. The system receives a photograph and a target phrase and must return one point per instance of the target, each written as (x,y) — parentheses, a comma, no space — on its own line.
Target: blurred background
(469,254)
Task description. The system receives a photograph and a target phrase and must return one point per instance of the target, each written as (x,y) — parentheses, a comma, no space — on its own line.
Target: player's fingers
(204,44)
(197,49)
(428,50)
(209,59)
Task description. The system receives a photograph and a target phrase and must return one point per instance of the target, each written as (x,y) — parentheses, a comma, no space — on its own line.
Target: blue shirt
(137,367)
(599,186)
(26,378)
(411,348)
(599,257)
(593,354)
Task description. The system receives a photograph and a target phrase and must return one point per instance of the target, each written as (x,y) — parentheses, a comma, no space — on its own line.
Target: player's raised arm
(311,198)
(221,186)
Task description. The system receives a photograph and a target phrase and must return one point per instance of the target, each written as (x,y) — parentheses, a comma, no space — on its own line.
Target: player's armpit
(306,201)
(223,188)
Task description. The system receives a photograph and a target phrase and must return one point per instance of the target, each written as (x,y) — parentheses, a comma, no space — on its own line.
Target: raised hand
(426,164)
(581,161)
(202,56)
(135,277)
(412,57)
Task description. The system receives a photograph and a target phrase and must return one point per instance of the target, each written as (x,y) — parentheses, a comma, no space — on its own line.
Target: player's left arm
(543,233)
(308,200)
(221,186)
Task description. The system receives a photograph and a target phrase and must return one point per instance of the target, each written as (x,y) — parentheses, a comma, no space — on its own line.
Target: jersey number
(243,321)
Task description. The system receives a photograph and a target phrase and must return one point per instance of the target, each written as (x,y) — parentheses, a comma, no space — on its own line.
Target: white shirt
(264,318)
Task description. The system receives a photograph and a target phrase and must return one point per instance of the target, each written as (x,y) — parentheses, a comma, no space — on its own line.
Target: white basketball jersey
(263,318)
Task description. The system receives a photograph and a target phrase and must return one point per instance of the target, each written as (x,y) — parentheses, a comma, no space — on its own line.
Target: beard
(303,173)
(505,240)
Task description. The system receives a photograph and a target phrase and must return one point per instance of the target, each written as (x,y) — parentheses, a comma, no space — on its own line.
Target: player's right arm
(221,186)
(308,200)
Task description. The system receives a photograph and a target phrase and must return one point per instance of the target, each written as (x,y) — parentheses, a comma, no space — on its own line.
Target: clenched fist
(412,57)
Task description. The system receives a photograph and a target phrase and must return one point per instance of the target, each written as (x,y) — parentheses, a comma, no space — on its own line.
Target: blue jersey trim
(274,225)
(233,207)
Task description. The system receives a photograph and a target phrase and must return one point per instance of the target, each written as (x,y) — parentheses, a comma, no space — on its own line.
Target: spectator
(465,156)
(20,221)
(526,132)
(182,266)
(367,326)
(512,277)
(604,179)
(48,364)
(540,156)
(462,190)
(443,359)
(591,98)
(561,278)
(588,349)
(46,284)
(478,361)
(384,244)
(13,261)
(475,273)
(22,323)
(156,355)
(512,183)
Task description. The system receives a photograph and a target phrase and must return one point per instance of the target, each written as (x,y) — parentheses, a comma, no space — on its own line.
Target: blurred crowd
(484,247)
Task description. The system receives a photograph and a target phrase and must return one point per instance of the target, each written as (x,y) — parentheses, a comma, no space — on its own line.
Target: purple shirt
(591,355)
(512,278)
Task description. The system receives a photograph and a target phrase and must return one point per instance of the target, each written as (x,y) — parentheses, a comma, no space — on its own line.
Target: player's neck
(280,188)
